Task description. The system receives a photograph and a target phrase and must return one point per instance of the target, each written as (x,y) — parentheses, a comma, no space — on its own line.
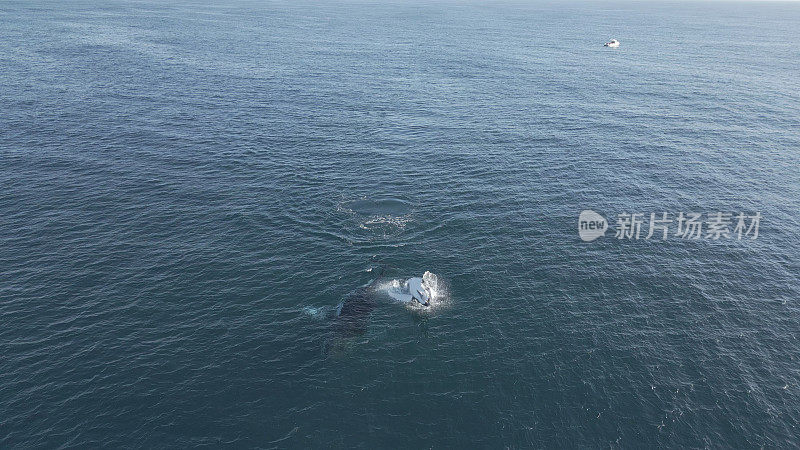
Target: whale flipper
(418,291)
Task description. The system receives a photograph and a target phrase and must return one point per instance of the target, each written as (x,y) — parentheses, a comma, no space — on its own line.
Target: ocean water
(190,188)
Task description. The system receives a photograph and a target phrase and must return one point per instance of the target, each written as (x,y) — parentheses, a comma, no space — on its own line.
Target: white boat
(613,43)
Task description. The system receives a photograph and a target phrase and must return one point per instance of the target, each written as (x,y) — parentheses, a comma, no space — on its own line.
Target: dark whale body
(352,316)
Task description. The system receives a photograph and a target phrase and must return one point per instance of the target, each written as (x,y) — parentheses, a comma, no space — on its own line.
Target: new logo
(591,225)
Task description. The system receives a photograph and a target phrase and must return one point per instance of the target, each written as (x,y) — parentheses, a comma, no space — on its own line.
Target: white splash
(397,290)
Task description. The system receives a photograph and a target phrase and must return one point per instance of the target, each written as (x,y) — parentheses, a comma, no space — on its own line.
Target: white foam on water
(379,221)
(316,313)
(379,216)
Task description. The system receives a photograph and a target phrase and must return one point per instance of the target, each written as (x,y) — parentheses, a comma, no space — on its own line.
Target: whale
(414,290)
(351,316)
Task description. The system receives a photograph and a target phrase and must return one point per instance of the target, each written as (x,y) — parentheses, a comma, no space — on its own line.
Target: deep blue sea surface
(188,189)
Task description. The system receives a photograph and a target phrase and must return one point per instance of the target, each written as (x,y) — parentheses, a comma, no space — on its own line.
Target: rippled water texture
(190,189)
